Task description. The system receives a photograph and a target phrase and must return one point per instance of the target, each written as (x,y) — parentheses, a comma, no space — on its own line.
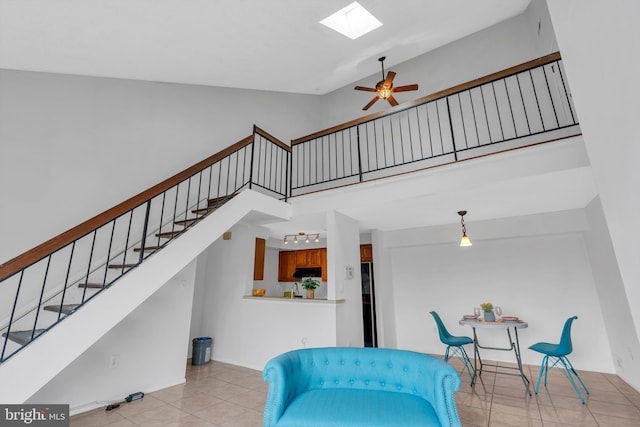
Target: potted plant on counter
(309,285)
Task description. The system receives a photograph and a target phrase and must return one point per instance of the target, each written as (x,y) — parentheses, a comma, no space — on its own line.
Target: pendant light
(464,241)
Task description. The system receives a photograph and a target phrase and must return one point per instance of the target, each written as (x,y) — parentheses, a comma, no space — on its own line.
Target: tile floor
(218,394)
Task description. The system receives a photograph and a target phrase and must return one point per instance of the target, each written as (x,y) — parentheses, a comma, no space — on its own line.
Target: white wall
(618,318)
(75,146)
(599,41)
(503,45)
(543,279)
(248,332)
(343,253)
(150,345)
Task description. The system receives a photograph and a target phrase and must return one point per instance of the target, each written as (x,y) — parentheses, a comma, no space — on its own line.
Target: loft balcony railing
(523,105)
(44,285)
(520,106)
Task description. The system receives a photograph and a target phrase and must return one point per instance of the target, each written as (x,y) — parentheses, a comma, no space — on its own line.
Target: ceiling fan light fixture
(352,21)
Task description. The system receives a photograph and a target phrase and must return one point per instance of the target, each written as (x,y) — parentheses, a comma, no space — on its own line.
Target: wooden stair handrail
(58,242)
(543,60)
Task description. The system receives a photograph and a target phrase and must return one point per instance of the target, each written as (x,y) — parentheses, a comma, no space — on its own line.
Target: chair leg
(543,369)
(570,370)
(467,363)
(446,354)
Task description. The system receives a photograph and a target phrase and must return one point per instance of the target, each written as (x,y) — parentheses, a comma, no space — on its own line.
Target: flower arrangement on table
(487,307)
(489,316)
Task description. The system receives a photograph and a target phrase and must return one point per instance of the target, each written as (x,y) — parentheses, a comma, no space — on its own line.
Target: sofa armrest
(283,375)
(441,392)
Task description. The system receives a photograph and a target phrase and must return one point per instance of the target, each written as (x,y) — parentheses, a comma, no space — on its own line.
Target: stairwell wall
(142,353)
(74,146)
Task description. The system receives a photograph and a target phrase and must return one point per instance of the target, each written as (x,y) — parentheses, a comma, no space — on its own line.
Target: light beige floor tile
(218,394)
(99,417)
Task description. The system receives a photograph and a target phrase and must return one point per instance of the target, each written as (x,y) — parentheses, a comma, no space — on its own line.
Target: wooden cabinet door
(313,257)
(366,253)
(286,266)
(258,262)
(323,263)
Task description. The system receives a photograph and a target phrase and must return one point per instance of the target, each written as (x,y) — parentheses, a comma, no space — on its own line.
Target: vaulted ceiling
(274,45)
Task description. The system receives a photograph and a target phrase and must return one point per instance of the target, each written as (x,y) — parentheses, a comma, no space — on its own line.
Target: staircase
(65,303)
(135,247)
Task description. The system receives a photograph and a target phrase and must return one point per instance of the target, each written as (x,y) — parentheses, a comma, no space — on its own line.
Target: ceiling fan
(385,88)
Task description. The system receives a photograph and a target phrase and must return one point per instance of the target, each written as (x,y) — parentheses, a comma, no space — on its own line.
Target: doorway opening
(368,305)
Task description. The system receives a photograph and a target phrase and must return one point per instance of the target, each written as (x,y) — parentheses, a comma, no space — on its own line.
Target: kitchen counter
(296,300)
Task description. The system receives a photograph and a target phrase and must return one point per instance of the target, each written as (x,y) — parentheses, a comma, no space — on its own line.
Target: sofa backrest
(369,369)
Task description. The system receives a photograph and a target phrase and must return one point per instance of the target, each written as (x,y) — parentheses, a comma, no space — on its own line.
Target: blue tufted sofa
(368,387)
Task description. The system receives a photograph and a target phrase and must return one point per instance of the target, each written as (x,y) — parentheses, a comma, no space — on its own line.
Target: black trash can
(201,351)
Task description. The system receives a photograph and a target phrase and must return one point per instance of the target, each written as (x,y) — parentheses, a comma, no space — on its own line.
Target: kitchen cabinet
(258,263)
(286,266)
(366,253)
(288,261)
(308,258)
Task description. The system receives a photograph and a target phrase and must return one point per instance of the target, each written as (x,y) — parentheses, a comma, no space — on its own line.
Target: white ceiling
(275,45)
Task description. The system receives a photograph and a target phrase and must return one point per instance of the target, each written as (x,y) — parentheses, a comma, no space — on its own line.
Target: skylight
(352,21)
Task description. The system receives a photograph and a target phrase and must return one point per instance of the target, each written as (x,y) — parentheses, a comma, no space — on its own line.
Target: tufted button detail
(389,365)
(405,369)
(398,387)
(321,382)
(326,362)
(352,381)
(357,362)
(336,382)
(366,382)
(342,362)
(383,383)
(414,390)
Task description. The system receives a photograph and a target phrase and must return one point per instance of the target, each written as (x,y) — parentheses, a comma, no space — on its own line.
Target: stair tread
(90,285)
(23,337)
(148,248)
(185,222)
(169,234)
(66,308)
(122,265)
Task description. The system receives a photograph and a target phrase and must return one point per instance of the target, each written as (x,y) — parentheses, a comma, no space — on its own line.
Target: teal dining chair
(454,343)
(558,354)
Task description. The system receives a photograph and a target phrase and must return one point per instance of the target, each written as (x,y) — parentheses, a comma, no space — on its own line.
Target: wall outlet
(114,361)
(348,272)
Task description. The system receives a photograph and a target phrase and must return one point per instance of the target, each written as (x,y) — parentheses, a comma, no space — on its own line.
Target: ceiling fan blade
(366,89)
(389,79)
(392,101)
(404,88)
(373,101)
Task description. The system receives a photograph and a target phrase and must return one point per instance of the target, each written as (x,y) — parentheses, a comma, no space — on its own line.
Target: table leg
(516,349)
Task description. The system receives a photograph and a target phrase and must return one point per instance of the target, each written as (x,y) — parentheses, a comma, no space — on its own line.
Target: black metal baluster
(566,93)
(419,132)
(93,244)
(126,247)
(429,127)
(106,268)
(553,105)
(495,98)
(359,155)
(13,312)
(186,203)
(453,138)
(144,231)
(384,145)
(524,107)
(513,116)
(464,126)
(473,113)
(164,194)
(44,284)
(393,144)
(535,94)
(486,116)
(66,279)
(253,149)
(440,126)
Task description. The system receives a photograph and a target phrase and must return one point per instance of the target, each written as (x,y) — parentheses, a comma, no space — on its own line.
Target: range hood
(308,272)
